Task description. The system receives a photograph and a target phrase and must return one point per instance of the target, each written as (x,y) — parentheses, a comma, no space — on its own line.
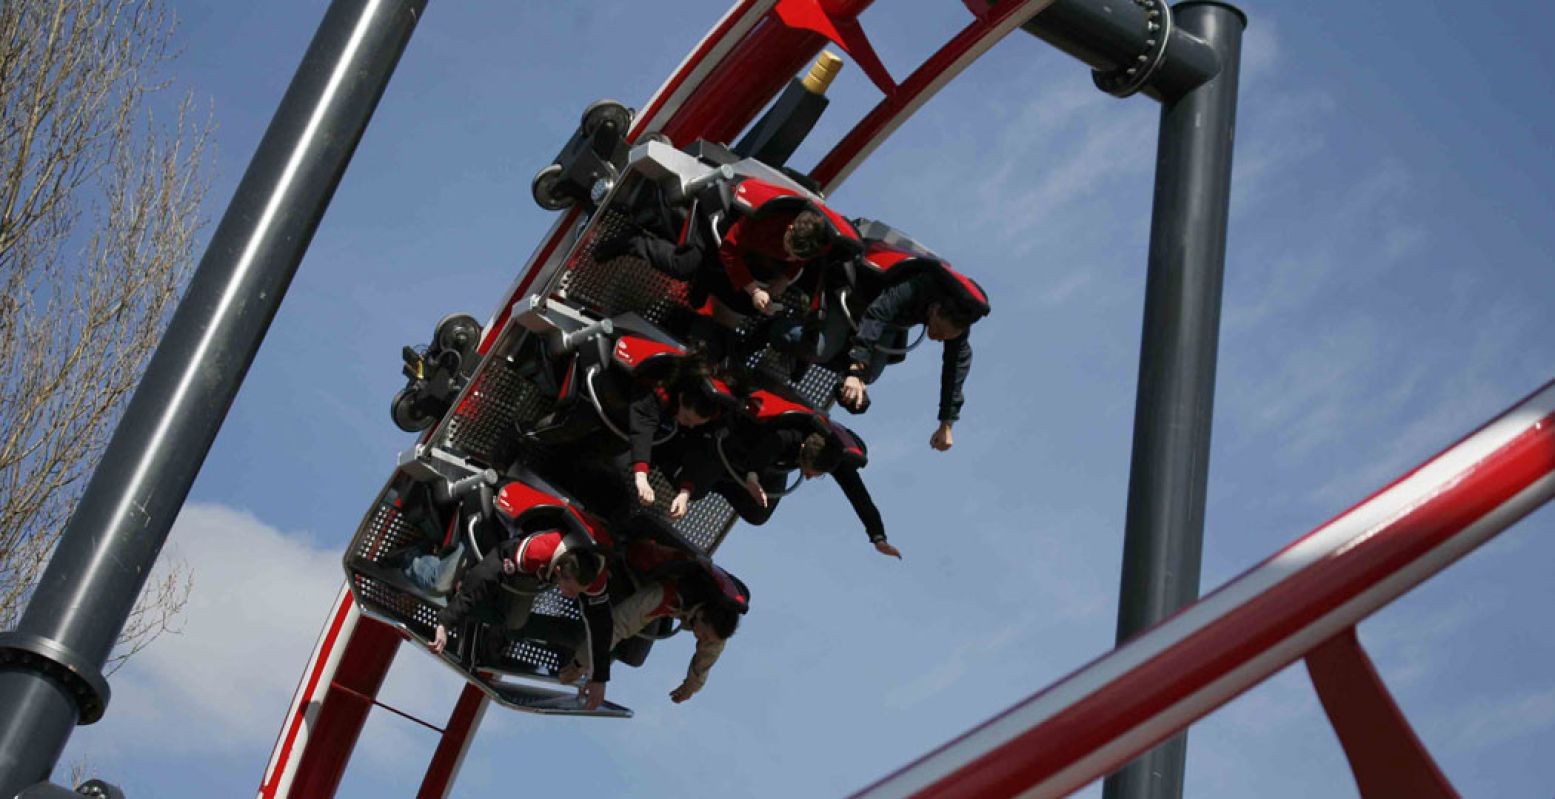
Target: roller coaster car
(443,499)
(536,358)
(698,193)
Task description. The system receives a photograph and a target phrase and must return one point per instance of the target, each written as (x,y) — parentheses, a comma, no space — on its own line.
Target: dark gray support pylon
(1164,531)
(1189,59)
(50,667)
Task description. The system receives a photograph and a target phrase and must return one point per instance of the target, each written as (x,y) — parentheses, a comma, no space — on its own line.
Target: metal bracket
(47,657)
(1132,76)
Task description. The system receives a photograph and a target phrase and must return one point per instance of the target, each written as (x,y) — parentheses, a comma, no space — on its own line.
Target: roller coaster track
(1303,602)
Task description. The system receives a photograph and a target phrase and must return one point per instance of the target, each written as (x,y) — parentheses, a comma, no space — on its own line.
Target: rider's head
(576,570)
(807,235)
(949,319)
(695,407)
(714,622)
(692,388)
(818,456)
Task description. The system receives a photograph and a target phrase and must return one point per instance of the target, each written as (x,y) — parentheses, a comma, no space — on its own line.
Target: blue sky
(1386,291)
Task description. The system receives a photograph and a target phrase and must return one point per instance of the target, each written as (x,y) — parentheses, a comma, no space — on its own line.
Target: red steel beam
(1385,756)
(333,732)
(457,735)
(936,71)
(349,663)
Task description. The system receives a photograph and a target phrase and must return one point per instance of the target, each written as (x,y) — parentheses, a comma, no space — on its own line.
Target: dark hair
(958,312)
(820,454)
(699,400)
(723,619)
(807,235)
(582,565)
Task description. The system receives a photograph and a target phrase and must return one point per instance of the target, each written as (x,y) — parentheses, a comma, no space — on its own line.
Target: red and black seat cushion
(888,265)
(756,198)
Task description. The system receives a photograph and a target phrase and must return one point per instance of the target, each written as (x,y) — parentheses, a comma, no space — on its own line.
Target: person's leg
(680,261)
(436,574)
(558,631)
(570,425)
(627,619)
(828,336)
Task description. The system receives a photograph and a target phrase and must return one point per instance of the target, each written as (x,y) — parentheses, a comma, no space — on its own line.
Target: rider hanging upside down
(706,600)
(690,404)
(509,578)
(767,454)
(947,304)
(655,401)
(747,263)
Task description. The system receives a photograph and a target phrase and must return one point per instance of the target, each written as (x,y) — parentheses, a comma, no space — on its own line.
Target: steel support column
(1164,528)
(50,667)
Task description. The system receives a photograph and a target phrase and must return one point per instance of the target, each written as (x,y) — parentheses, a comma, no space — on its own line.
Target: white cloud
(224,683)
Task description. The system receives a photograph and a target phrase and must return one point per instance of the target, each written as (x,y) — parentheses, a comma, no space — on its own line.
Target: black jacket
(779,450)
(906,304)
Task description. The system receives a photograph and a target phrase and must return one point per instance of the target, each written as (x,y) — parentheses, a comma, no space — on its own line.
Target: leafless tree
(101,180)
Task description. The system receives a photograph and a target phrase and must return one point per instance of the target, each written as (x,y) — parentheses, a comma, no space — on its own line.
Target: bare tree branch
(99,210)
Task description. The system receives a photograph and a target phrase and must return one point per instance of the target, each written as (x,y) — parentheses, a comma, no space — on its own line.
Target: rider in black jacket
(767,457)
(922,299)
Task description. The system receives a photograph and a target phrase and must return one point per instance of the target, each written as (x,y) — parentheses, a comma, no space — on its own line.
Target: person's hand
(644,489)
(753,487)
(681,693)
(942,439)
(884,547)
(593,695)
(439,640)
(680,505)
(508,566)
(853,391)
(762,301)
(569,674)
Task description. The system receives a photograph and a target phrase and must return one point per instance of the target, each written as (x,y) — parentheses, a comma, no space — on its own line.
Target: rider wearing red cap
(509,578)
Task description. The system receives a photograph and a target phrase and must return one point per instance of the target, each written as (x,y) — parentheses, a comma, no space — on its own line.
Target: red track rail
(1098,718)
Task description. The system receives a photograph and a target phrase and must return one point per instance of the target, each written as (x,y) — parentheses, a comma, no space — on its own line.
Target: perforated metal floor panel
(621,285)
(483,426)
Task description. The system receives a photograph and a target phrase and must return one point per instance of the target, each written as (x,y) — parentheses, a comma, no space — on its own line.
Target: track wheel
(605,112)
(406,417)
(544,189)
(457,332)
